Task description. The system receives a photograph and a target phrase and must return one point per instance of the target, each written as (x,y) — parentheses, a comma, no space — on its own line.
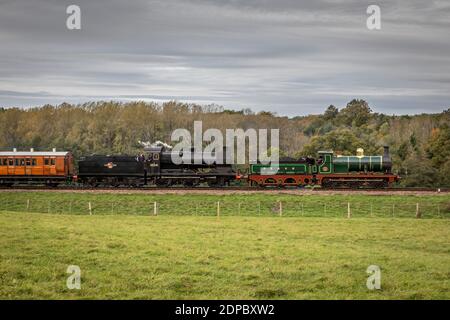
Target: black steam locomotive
(155,167)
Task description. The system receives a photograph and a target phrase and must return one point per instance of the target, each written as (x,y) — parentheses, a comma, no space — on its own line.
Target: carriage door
(28,167)
(46,166)
(10,166)
(53,166)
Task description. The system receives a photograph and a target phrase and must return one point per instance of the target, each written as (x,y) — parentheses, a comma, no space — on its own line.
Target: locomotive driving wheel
(190,183)
(92,182)
(216,182)
(163,182)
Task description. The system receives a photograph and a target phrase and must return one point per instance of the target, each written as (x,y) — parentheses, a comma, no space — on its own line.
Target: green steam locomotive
(328,170)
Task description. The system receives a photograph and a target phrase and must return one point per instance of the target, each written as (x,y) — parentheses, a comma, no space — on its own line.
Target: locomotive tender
(110,170)
(156,167)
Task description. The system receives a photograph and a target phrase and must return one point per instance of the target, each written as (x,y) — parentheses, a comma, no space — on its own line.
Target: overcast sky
(291,57)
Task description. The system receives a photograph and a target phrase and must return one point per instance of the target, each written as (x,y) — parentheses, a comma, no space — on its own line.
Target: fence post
(48,207)
(371,209)
(349,211)
(112,207)
(302,209)
(325,209)
(239,208)
(28,204)
(418,214)
(90,208)
(155,209)
(259,207)
(393,210)
(70,207)
(218,208)
(281,209)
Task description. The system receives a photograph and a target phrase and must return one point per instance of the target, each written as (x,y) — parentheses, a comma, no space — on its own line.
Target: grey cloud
(293,57)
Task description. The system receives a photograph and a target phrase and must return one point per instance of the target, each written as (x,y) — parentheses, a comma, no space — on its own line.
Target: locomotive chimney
(386,151)
(31,149)
(54,149)
(14,149)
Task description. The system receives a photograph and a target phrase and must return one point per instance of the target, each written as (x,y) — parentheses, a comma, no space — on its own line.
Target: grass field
(430,206)
(228,257)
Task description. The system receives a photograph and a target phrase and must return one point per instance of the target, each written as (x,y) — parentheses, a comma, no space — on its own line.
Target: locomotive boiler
(191,169)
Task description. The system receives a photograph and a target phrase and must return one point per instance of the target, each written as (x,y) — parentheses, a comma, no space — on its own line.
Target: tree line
(420,144)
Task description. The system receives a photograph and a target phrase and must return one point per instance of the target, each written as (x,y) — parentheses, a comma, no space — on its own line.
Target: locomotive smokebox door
(154,163)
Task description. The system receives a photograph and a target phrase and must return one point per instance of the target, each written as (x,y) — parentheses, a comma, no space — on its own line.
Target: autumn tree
(331,113)
(342,141)
(418,172)
(356,113)
(438,148)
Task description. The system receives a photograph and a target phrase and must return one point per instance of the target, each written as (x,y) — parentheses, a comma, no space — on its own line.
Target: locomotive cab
(153,162)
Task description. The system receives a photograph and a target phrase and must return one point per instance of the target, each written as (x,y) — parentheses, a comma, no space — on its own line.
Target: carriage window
(52,162)
(46,162)
(16,162)
(28,162)
(22,162)
(33,162)
(11,162)
(5,162)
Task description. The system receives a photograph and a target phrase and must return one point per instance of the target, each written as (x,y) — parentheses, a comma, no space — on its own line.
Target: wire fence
(353,209)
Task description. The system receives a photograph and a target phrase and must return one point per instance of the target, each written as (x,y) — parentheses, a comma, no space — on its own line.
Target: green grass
(317,205)
(231,257)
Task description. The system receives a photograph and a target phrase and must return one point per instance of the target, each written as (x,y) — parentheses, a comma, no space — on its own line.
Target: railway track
(231,188)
